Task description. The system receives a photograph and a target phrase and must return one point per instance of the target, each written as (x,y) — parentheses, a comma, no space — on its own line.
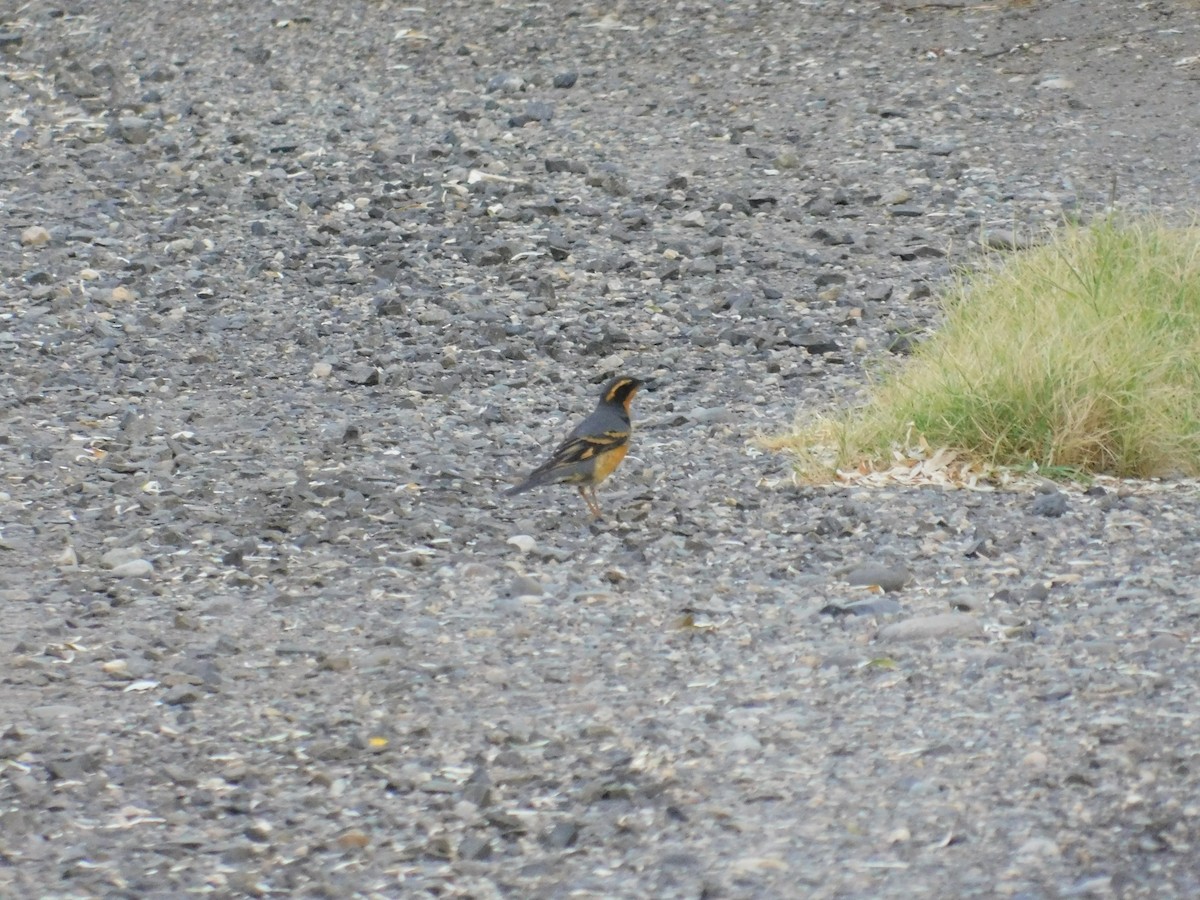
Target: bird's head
(620,392)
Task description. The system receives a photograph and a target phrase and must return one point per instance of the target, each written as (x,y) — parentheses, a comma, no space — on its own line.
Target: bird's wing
(582,447)
(572,462)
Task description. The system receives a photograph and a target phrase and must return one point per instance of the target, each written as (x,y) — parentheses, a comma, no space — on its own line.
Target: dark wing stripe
(581,448)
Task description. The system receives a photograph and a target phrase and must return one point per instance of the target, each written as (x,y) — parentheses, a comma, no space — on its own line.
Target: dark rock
(364,374)
(1050,505)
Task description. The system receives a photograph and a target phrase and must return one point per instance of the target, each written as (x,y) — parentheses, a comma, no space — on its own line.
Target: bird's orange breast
(607,462)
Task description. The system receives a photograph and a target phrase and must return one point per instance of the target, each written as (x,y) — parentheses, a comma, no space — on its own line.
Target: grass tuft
(1079,356)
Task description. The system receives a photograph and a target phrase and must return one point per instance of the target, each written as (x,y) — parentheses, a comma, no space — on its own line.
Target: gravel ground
(292,291)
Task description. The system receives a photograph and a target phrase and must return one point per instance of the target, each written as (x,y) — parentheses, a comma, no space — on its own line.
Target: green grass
(1079,356)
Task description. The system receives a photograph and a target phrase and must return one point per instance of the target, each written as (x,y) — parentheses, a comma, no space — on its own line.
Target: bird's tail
(521,488)
(536,478)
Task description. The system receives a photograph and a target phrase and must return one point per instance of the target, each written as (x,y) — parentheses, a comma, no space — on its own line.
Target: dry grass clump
(1080,356)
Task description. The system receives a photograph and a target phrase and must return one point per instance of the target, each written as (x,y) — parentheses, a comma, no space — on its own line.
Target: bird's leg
(590,500)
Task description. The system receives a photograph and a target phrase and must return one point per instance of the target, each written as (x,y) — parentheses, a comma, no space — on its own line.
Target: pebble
(134,568)
(743,742)
(505,82)
(474,847)
(119,555)
(134,129)
(35,236)
(1035,761)
(524,586)
(940,625)
(872,606)
(888,577)
(1005,239)
(180,695)
(561,836)
(523,542)
(1165,644)
(1050,505)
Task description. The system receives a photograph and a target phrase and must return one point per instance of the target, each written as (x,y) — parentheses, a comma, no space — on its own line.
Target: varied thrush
(594,448)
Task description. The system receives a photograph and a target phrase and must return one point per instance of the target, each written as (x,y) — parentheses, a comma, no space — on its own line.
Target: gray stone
(888,577)
(941,625)
(1049,505)
(134,568)
(134,129)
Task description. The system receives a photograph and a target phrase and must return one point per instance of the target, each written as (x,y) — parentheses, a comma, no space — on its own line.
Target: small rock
(388,306)
(935,626)
(743,743)
(524,586)
(944,148)
(134,129)
(117,668)
(505,83)
(364,374)
(119,555)
(1050,505)
(135,568)
(181,695)
(1035,761)
(523,542)
(1039,848)
(1056,83)
(889,578)
(1165,643)
(354,839)
(565,79)
(894,198)
(474,847)
(35,236)
(561,836)
(1006,239)
(872,606)
(559,164)
(322,370)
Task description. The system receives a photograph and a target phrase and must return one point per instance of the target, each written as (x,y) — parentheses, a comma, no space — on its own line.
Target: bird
(593,449)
